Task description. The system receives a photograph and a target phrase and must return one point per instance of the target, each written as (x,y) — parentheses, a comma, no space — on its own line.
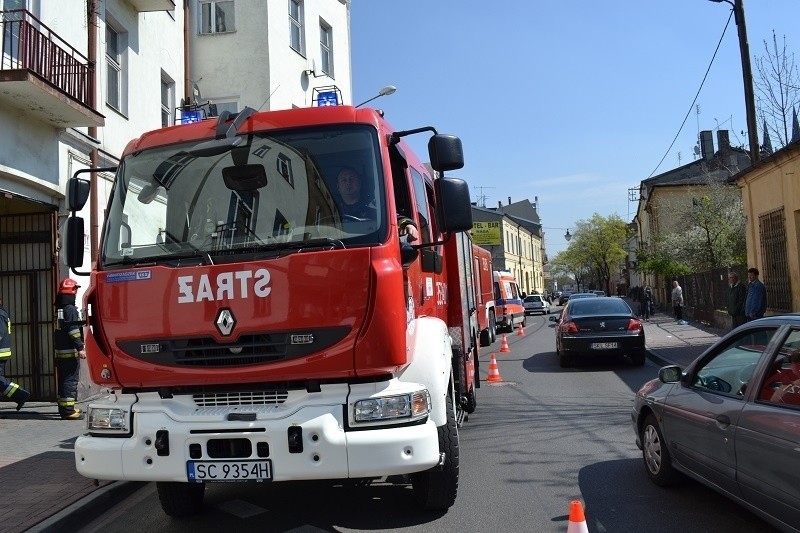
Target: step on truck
(248,329)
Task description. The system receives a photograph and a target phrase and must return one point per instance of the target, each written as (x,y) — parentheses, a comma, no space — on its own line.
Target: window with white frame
(296,25)
(116,67)
(217,16)
(167,100)
(326,47)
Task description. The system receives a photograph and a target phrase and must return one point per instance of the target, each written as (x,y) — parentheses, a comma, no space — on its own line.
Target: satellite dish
(696,149)
(196,93)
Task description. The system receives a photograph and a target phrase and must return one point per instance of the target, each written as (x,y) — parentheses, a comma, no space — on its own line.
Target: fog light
(408,406)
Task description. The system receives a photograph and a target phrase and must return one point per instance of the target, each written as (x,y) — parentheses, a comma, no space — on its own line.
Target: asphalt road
(538,439)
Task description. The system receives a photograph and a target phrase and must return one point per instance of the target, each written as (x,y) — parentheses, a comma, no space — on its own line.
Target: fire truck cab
(249,330)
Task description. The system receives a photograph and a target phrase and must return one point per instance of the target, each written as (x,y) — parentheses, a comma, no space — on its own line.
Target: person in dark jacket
(8,389)
(69,348)
(737,295)
(756,303)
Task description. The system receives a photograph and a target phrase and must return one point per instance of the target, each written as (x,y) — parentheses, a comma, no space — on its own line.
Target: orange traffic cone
(494,372)
(577,520)
(504,345)
(520,330)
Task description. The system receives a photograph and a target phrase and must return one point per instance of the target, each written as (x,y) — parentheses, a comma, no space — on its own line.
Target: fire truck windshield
(274,190)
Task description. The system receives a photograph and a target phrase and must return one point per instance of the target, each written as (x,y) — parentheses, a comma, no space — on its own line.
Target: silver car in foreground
(731,420)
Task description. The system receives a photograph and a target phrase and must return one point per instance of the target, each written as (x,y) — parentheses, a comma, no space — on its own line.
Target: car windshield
(275,190)
(599,306)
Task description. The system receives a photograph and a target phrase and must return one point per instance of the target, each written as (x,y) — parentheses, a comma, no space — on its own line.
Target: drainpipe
(187,79)
(91,6)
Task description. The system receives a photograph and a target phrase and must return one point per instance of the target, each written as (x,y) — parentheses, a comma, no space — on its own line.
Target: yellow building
(771,198)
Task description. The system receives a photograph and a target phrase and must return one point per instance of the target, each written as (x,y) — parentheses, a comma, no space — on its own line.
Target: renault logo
(225,322)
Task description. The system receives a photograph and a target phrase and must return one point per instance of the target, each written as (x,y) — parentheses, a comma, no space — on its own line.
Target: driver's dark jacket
(363,210)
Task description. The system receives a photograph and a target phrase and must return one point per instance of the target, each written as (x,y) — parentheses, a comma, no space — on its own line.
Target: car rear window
(598,306)
(536,298)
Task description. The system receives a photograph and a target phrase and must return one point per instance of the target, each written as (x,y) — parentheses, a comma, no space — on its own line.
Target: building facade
(77,84)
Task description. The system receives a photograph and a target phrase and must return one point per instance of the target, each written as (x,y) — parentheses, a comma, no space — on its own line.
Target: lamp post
(389,89)
(747,77)
(567,235)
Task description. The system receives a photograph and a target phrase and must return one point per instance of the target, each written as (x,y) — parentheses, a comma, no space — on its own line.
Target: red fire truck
(249,330)
(484,294)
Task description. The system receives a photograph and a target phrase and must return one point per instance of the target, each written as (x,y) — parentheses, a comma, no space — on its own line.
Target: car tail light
(634,325)
(569,327)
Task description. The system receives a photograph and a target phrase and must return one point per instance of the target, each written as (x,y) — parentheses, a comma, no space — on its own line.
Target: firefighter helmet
(68,286)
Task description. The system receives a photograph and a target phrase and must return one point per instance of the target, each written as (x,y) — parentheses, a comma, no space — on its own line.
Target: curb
(87,508)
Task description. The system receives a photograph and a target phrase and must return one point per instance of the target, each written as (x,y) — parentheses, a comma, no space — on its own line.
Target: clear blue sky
(573,101)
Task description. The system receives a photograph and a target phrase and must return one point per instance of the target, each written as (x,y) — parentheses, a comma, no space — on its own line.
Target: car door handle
(723,420)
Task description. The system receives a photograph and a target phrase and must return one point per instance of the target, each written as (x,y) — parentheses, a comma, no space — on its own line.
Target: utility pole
(747,77)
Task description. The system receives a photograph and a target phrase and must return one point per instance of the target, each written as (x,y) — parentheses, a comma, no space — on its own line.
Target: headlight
(404,406)
(107,419)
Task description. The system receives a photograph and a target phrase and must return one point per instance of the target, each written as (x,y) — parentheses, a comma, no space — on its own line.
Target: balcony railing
(30,45)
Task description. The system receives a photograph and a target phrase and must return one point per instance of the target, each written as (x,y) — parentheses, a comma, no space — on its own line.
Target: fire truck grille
(223,399)
(252,349)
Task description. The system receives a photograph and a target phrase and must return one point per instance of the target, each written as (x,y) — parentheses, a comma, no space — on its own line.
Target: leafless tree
(777,91)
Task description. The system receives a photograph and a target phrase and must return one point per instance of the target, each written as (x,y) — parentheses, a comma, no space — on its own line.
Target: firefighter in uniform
(8,389)
(69,347)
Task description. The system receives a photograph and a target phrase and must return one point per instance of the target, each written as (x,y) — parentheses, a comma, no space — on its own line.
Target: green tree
(597,247)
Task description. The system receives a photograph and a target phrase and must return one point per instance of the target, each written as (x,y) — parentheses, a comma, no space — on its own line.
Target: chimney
(723,141)
(509,200)
(706,144)
(499,204)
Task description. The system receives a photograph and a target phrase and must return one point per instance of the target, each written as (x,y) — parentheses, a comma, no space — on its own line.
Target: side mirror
(455,209)
(553,318)
(445,152)
(670,374)
(74,242)
(245,177)
(77,193)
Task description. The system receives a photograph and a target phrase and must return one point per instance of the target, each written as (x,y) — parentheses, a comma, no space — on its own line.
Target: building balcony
(44,76)
(153,5)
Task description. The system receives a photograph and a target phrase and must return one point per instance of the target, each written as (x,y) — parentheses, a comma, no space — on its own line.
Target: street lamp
(389,89)
(747,76)
(567,236)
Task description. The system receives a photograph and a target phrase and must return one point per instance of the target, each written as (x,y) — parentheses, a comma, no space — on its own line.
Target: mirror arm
(429,244)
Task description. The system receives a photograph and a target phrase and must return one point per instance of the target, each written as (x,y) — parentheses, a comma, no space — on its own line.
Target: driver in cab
(348,181)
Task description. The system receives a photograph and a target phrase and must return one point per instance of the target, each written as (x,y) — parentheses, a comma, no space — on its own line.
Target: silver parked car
(731,420)
(535,303)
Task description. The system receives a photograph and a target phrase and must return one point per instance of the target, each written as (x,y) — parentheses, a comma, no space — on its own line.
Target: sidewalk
(671,343)
(42,491)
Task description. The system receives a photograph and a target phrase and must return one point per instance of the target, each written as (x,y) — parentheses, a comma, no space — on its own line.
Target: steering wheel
(714,383)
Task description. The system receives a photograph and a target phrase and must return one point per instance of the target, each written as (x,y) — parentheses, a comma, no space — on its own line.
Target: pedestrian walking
(756,304)
(69,348)
(8,389)
(647,303)
(677,300)
(737,295)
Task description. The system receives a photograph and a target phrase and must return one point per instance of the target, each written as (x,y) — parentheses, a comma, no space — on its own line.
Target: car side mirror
(553,318)
(670,374)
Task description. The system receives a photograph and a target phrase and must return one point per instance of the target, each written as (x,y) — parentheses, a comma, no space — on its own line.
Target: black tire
(564,359)
(486,337)
(436,489)
(181,499)
(472,402)
(657,459)
(492,327)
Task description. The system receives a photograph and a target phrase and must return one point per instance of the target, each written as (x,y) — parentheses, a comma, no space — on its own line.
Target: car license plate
(214,471)
(604,345)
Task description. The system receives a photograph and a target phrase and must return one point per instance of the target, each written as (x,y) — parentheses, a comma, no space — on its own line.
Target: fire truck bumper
(184,443)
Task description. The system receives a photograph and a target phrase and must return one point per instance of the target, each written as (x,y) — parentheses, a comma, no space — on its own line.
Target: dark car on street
(563,297)
(731,420)
(598,327)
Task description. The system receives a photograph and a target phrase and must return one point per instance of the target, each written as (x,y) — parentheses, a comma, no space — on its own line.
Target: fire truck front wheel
(436,489)
(181,499)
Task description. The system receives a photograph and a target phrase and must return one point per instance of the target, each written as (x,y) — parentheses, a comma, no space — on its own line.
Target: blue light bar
(327,98)
(190,117)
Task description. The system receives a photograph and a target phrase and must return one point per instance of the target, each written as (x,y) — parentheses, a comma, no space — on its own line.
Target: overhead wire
(685,118)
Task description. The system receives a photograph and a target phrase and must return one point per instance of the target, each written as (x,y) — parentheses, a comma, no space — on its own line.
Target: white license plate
(604,345)
(212,471)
